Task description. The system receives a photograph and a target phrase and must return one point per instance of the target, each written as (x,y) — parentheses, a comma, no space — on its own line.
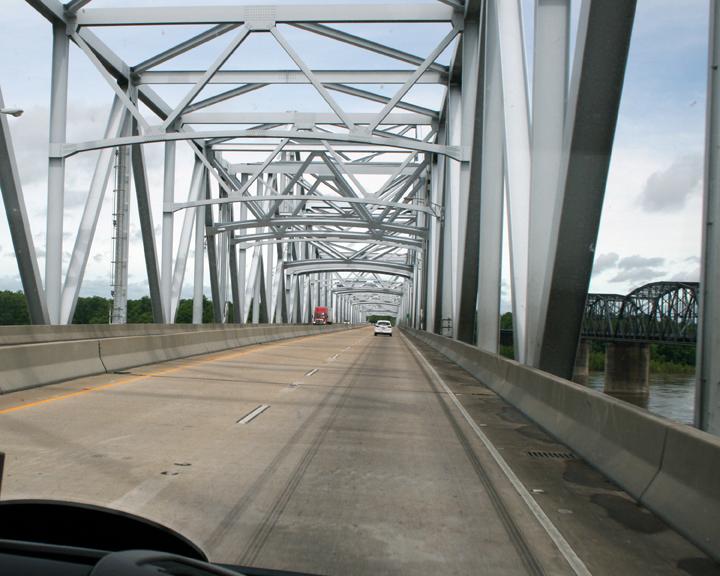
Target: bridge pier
(627,370)
(582,362)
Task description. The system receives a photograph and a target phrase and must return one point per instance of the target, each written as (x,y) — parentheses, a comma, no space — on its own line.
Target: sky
(651,223)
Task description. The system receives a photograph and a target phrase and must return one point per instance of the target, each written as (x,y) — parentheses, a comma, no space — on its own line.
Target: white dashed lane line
(259,410)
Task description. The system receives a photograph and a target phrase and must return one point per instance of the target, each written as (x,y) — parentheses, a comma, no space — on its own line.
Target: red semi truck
(322,315)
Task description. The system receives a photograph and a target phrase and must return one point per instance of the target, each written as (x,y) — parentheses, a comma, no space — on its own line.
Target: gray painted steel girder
(328,265)
(316,221)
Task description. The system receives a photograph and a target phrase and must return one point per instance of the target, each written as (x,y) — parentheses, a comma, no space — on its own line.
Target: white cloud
(638,276)
(639,269)
(691,276)
(636,261)
(668,190)
(605,262)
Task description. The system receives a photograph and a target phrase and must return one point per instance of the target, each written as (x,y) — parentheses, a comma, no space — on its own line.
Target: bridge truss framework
(370,202)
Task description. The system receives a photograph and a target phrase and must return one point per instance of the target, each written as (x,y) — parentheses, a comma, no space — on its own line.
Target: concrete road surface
(338,454)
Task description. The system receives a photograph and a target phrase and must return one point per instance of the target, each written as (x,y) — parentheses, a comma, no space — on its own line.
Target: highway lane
(335,454)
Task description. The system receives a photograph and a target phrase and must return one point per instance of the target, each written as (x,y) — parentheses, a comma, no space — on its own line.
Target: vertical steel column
(56,172)
(601,51)
(199,266)
(707,397)
(147,228)
(492,191)
(166,266)
(326,287)
(517,157)
(195,193)
(451,210)
(19,225)
(431,251)
(223,260)
(473,73)
(305,310)
(451,257)
(212,256)
(256,291)
(550,78)
(435,242)
(240,317)
(268,280)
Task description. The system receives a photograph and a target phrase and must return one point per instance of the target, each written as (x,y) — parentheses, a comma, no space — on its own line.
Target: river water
(671,395)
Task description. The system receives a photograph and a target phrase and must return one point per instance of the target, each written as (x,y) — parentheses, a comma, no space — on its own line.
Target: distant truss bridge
(656,312)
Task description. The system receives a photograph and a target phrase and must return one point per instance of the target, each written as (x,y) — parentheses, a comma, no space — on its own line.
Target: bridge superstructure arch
(397,164)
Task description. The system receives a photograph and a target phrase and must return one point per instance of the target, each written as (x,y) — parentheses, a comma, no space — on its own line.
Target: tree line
(97,310)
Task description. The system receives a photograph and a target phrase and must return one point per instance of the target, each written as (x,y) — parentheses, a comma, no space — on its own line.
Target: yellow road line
(158,373)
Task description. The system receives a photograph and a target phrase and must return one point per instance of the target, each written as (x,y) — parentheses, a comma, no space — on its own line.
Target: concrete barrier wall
(670,468)
(94,350)
(16,335)
(23,367)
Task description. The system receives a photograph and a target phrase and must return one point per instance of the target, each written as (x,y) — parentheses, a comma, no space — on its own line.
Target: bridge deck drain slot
(561,455)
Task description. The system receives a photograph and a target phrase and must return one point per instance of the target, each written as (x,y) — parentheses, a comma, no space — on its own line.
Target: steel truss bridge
(385,191)
(657,312)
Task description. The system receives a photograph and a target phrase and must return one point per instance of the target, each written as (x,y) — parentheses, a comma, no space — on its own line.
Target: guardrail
(670,468)
(91,350)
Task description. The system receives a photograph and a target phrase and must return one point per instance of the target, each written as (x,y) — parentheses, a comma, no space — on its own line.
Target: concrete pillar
(627,370)
(582,362)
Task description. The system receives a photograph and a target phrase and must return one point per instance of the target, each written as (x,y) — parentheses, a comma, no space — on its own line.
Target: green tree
(140,311)
(92,310)
(507,351)
(506,321)
(185,312)
(13,308)
(596,362)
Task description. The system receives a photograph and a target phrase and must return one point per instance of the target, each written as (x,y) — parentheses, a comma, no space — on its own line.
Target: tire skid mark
(263,532)
(525,553)
(230,519)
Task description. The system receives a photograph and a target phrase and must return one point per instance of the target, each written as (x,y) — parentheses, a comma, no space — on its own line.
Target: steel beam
(56,173)
(236,77)
(167,231)
(492,191)
(550,78)
(707,395)
(517,157)
(602,45)
(147,229)
(175,51)
(295,117)
(473,78)
(390,142)
(183,250)
(327,265)
(19,225)
(199,267)
(213,265)
(287,14)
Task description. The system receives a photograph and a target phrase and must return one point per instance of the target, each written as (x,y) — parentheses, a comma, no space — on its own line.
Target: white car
(383,327)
